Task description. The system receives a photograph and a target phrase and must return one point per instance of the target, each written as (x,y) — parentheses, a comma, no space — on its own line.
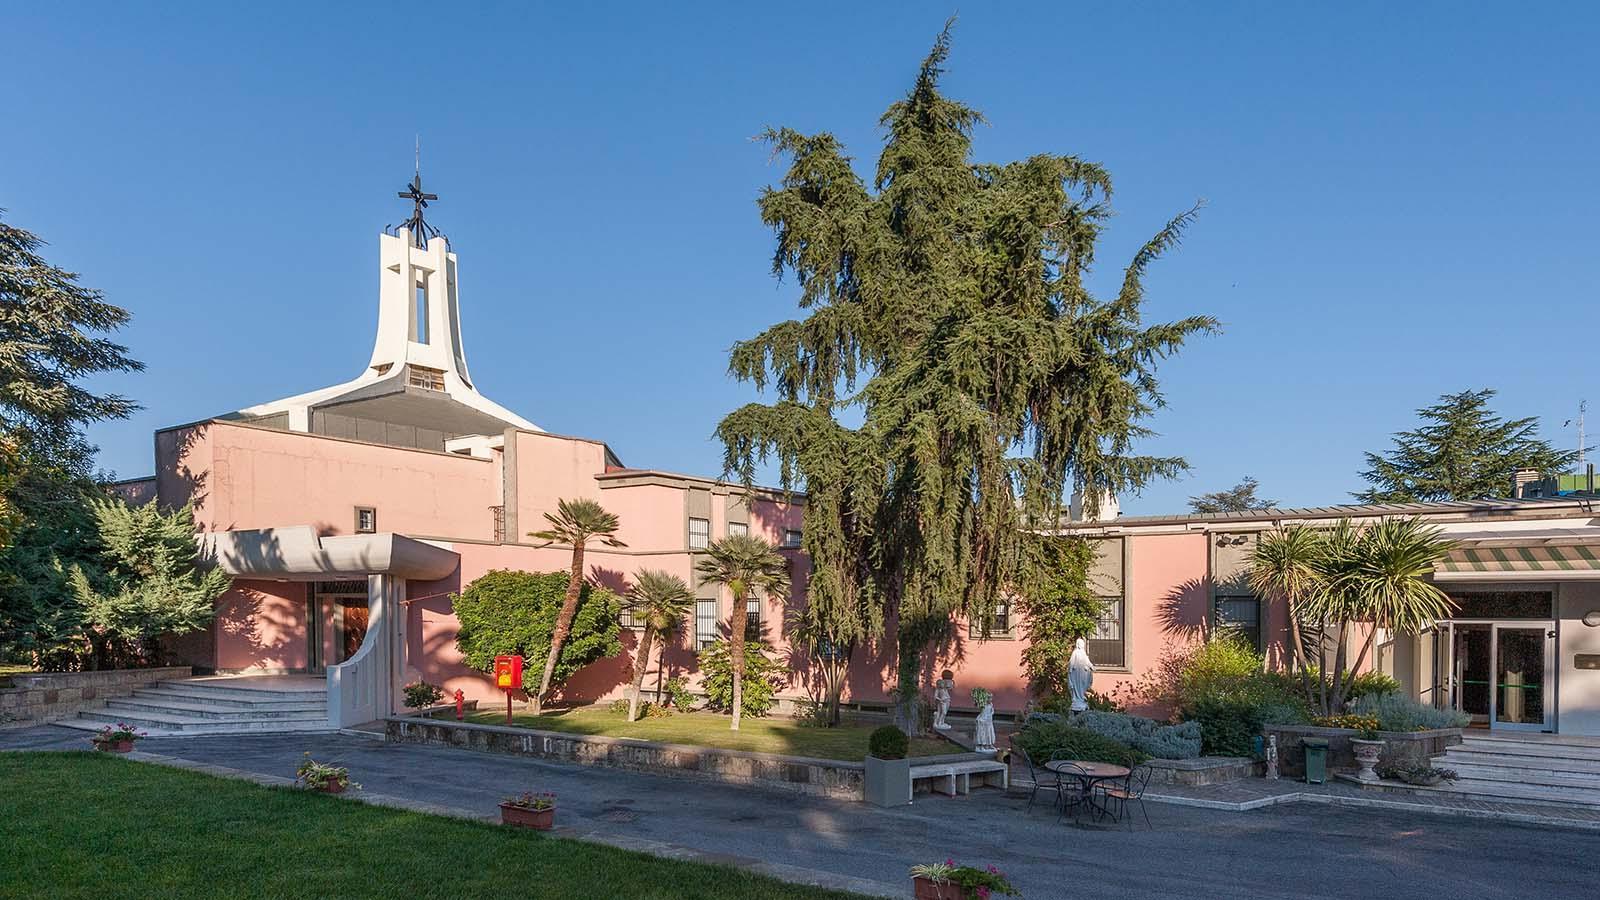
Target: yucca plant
(1337,578)
(574,523)
(748,566)
(659,601)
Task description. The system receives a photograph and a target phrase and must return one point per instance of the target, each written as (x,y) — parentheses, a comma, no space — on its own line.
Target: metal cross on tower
(421,231)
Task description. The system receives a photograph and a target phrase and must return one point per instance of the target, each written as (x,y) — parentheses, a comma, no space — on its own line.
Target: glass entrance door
(1470,657)
(1522,663)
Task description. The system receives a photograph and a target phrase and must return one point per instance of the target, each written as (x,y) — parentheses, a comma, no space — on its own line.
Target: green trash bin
(1316,759)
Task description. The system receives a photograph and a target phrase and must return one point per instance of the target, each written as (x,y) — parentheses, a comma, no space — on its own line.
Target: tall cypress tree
(1461,451)
(946,312)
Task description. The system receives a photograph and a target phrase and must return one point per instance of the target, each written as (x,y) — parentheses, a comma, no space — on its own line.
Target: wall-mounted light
(1592,618)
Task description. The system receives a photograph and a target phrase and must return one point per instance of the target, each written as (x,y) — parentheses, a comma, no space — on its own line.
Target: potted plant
(116,739)
(529,810)
(1367,746)
(421,695)
(316,776)
(948,881)
(888,772)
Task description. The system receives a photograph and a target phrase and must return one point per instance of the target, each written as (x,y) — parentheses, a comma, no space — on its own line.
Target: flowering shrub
(535,801)
(1348,720)
(973,882)
(319,776)
(122,731)
(420,694)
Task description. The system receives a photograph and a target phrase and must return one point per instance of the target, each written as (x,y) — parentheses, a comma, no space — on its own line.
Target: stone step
(209,728)
(1515,775)
(1507,791)
(233,691)
(156,695)
(284,709)
(1456,757)
(170,722)
(1547,749)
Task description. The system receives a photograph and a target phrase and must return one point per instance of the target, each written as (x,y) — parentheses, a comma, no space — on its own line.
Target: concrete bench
(952,779)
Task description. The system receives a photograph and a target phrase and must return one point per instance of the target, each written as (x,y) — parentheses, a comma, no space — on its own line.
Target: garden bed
(1204,770)
(1400,747)
(838,779)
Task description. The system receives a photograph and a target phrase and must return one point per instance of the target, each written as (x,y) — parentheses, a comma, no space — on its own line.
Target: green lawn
(96,825)
(768,735)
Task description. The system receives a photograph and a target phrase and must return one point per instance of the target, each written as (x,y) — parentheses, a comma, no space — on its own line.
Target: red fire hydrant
(461,700)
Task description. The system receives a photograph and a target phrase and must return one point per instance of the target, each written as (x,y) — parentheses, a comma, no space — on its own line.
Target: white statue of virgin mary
(1080,676)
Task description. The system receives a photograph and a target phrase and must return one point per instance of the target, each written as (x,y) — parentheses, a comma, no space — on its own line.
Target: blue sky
(1399,197)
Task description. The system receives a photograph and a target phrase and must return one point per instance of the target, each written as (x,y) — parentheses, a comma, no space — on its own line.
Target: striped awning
(1575,558)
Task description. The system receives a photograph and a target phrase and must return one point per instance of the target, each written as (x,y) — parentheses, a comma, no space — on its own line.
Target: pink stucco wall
(261,626)
(245,477)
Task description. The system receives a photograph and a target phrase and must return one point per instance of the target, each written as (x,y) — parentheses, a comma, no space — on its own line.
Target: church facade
(350,515)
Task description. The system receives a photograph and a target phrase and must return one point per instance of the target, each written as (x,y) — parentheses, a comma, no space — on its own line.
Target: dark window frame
(693,535)
(705,626)
(1252,632)
(371,511)
(1110,652)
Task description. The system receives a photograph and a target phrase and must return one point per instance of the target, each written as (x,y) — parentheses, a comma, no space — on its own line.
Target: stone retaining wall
(795,774)
(47,696)
(1399,747)
(1205,770)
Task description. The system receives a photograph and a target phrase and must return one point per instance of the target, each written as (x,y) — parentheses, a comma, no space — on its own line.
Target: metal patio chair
(1117,795)
(1043,779)
(1073,788)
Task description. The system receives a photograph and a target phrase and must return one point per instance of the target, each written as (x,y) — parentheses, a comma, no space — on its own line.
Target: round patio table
(1088,775)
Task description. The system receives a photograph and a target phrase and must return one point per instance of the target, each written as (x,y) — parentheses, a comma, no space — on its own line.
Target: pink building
(351,514)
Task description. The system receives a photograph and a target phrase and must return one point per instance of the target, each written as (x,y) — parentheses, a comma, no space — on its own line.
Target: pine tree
(1239,498)
(47,346)
(1462,451)
(946,312)
(150,584)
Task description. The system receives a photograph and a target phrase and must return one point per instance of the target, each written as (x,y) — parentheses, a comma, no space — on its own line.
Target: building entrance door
(1496,672)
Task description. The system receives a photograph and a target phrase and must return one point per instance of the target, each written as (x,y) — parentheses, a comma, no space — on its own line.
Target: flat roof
(1486,508)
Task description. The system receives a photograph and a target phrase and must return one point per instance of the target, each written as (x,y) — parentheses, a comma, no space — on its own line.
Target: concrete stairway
(217,705)
(1524,768)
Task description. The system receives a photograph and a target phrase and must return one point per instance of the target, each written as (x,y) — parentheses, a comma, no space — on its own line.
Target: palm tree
(659,601)
(1375,575)
(575,523)
(748,566)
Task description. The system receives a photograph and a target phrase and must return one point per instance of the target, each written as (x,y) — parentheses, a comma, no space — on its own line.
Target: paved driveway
(1293,851)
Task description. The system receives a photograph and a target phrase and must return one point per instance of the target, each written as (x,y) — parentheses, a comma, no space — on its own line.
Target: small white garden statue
(1272,757)
(941,696)
(1080,676)
(983,731)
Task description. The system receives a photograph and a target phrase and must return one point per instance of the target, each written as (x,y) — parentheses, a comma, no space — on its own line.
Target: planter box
(926,889)
(523,817)
(888,781)
(332,787)
(113,746)
(1205,770)
(1400,747)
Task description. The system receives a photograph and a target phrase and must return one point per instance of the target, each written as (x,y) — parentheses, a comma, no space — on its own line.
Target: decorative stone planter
(332,787)
(1366,753)
(113,746)
(888,782)
(523,817)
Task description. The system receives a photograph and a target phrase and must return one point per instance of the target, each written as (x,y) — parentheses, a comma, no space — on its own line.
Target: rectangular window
(752,619)
(1241,615)
(1106,645)
(699,533)
(791,537)
(997,627)
(626,619)
(738,529)
(705,622)
(366,520)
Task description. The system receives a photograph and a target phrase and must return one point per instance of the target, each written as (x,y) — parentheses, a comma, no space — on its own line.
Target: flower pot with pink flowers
(948,881)
(529,810)
(117,738)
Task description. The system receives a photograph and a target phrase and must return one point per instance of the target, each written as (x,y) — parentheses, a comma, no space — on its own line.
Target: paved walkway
(1282,851)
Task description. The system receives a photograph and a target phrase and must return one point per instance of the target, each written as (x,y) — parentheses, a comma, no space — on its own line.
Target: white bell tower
(416,386)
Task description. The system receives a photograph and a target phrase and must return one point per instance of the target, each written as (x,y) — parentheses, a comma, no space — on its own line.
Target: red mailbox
(508,672)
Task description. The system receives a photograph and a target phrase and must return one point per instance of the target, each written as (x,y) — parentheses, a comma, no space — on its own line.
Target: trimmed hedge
(1045,740)
(888,742)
